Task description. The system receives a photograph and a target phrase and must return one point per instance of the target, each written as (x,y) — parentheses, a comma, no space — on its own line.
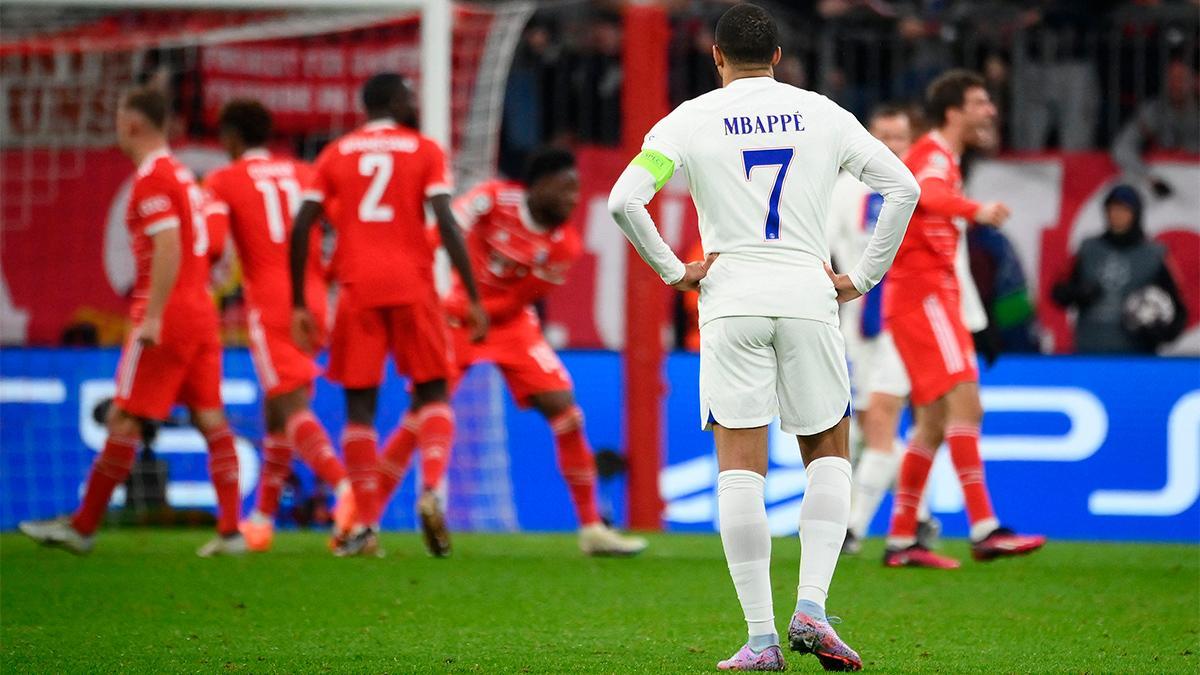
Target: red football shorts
(529,365)
(281,365)
(415,335)
(182,369)
(936,348)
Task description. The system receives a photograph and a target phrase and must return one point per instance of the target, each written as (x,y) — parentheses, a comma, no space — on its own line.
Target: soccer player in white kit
(761,158)
(879,382)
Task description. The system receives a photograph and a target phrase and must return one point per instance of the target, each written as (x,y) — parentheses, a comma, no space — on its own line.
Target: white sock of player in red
(746,538)
(577,464)
(963,439)
(910,486)
(873,476)
(823,517)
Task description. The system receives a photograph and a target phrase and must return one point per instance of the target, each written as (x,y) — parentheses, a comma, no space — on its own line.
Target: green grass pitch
(142,602)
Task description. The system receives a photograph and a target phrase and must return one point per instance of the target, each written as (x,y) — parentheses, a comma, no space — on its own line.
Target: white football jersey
(761,158)
(852,212)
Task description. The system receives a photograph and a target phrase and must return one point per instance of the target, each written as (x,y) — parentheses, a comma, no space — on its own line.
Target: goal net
(64,186)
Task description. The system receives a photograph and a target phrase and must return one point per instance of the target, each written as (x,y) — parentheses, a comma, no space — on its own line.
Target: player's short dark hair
(381,89)
(949,90)
(888,110)
(248,118)
(747,35)
(151,102)
(547,161)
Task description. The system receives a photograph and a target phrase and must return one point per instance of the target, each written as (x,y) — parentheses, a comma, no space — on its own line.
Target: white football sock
(823,517)
(747,541)
(923,512)
(872,477)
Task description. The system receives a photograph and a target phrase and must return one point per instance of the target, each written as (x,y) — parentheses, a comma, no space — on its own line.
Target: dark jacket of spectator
(1113,286)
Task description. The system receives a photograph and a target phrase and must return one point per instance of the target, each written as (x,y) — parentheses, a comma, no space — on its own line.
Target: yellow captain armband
(659,165)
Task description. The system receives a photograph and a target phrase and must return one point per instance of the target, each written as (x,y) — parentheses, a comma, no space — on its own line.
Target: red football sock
(963,440)
(277,466)
(397,453)
(362,461)
(910,485)
(110,468)
(577,464)
(435,435)
(305,433)
(223,472)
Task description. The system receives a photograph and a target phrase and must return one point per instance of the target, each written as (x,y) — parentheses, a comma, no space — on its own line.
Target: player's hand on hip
(477,321)
(992,213)
(843,285)
(149,331)
(304,329)
(694,272)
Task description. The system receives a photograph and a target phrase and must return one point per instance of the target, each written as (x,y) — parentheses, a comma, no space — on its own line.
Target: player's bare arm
(992,213)
(304,326)
(164,270)
(456,248)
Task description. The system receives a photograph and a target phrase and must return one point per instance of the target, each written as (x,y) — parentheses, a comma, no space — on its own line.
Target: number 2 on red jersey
(378,167)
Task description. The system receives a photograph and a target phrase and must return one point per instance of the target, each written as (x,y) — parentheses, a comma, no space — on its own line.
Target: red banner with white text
(65,256)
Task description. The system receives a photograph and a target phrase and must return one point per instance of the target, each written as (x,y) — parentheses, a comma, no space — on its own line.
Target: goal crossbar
(436,25)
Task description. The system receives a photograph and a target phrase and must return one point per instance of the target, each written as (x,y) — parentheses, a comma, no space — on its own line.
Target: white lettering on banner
(14,321)
(1089,424)
(279,97)
(176,441)
(688,487)
(32,390)
(259,61)
(1183,471)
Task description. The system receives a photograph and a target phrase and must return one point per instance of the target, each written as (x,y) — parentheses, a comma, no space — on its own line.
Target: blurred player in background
(381,175)
(880,384)
(769,343)
(173,353)
(923,310)
(522,246)
(257,195)
(876,370)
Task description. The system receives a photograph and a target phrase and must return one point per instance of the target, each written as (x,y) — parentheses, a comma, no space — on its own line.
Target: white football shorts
(875,367)
(754,368)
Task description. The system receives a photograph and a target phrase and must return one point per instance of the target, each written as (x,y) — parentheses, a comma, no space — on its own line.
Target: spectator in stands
(596,81)
(1122,286)
(1056,90)
(1170,122)
(1003,290)
(522,129)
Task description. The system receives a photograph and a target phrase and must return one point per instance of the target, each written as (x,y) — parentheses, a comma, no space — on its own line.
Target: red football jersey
(260,193)
(516,261)
(165,196)
(380,176)
(925,262)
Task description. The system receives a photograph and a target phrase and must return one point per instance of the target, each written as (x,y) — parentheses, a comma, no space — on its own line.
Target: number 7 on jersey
(782,158)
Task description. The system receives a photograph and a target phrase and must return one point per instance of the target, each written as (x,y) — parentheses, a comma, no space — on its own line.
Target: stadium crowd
(1067,76)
